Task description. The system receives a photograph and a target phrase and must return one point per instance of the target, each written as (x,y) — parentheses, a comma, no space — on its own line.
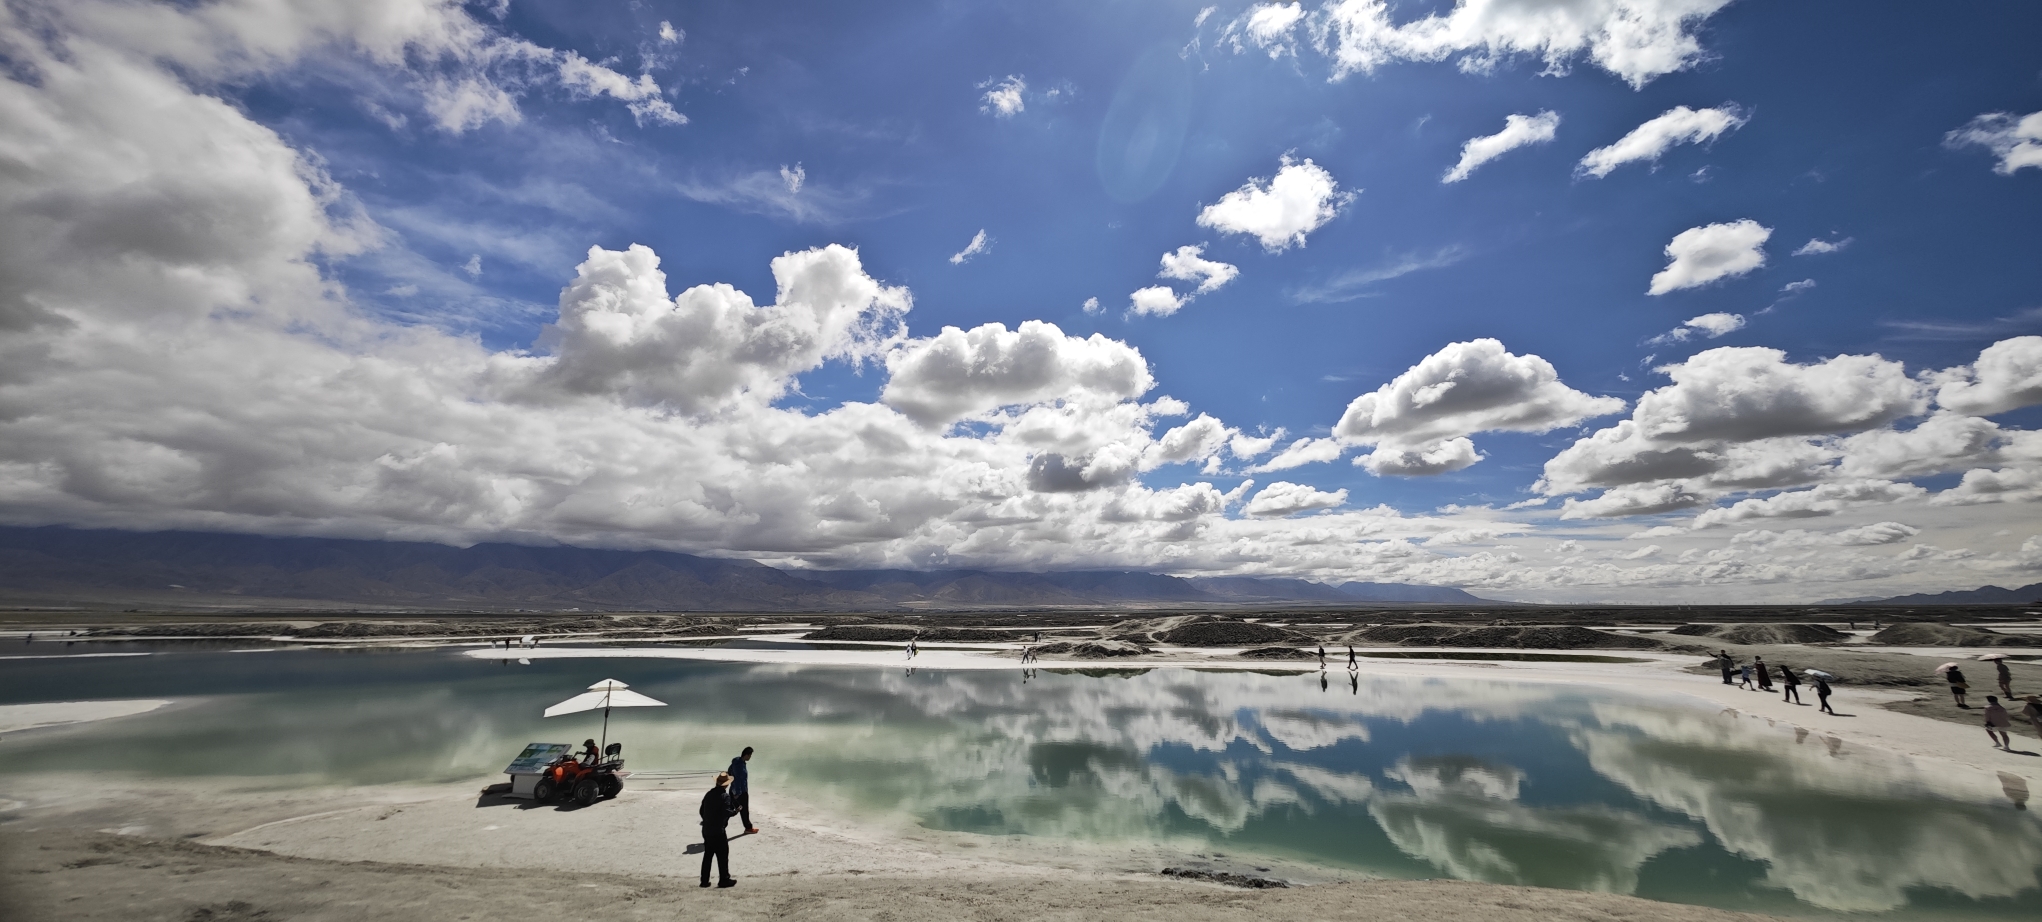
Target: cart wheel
(543,791)
(612,785)
(586,792)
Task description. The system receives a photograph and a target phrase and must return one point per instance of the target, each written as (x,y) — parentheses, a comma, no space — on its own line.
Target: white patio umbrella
(1989,657)
(607,694)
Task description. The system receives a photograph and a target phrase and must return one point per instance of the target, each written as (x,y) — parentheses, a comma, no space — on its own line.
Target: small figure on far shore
(1765,674)
(1997,723)
(1322,657)
(1790,684)
(1353,665)
(1822,695)
(2006,678)
(1958,687)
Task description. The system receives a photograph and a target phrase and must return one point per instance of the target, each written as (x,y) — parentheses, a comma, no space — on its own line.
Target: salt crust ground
(104,847)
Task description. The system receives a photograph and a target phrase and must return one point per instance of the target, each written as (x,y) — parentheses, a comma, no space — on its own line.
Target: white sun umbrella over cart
(607,694)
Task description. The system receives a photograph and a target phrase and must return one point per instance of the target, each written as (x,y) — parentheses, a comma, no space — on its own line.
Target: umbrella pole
(606,729)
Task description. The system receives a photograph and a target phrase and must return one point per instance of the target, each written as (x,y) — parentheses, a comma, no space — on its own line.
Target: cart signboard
(536,757)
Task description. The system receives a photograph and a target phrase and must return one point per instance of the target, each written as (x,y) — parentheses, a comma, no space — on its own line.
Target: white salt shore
(18,717)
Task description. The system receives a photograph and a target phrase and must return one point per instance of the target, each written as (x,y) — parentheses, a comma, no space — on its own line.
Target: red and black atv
(583,780)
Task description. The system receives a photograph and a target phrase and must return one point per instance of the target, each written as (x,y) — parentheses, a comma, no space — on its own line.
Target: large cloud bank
(175,351)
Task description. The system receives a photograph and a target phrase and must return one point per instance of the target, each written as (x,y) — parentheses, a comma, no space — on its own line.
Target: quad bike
(582,781)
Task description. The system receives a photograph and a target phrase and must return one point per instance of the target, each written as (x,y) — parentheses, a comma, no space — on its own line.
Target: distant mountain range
(1984,595)
(177,569)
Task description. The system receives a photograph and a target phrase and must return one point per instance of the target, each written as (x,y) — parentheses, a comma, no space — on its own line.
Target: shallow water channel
(1522,783)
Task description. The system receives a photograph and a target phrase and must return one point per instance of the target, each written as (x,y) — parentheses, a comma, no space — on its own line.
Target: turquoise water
(1496,781)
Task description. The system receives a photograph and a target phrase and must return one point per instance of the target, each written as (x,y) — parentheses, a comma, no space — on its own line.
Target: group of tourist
(1758,676)
(1998,722)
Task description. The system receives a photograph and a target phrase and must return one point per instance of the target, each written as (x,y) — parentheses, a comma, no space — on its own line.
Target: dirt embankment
(1229,633)
(1763,633)
(1093,649)
(1279,653)
(1529,637)
(335,629)
(1924,634)
(900,633)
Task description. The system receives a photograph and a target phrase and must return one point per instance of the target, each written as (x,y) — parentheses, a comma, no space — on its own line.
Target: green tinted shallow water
(1495,781)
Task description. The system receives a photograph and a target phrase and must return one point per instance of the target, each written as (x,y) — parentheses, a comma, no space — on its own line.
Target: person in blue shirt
(741,790)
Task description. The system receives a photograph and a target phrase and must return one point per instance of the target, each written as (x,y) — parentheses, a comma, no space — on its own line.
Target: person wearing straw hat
(716,811)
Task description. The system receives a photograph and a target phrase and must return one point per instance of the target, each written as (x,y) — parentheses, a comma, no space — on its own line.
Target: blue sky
(396,193)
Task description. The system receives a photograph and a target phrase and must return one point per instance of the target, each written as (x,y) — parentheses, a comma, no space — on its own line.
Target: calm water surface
(1496,781)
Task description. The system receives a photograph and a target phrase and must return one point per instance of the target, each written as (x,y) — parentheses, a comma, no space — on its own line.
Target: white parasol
(1946,667)
(1817,673)
(607,694)
(1991,656)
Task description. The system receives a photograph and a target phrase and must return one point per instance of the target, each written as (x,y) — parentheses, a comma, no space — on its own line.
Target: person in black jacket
(716,812)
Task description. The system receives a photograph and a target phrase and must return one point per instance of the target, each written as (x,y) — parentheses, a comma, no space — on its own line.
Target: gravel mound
(1537,637)
(894,632)
(1092,649)
(1918,634)
(1228,634)
(1764,633)
(1223,877)
(1279,653)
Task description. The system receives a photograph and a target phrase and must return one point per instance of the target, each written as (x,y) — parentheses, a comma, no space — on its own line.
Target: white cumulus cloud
(1282,210)
(1300,453)
(1707,325)
(1285,498)
(1826,499)
(957,373)
(1738,418)
(1271,27)
(1700,255)
(1442,457)
(1816,246)
(2007,376)
(979,244)
(1155,301)
(1188,264)
(1420,419)
(1637,40)
(2015,140)
(1651,140)
(1518,131)
(620,334)
(1004,98)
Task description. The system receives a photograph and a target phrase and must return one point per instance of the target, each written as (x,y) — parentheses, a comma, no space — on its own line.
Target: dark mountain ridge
(1984,595)
(203,569)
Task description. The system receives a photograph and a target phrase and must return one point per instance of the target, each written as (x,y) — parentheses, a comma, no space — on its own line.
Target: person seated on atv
(590,755)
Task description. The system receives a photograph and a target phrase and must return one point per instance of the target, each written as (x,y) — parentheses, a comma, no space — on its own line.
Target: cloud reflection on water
(1531,784)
